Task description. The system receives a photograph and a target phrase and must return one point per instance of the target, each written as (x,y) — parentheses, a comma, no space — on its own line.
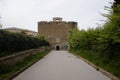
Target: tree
(115,4)
(0,23)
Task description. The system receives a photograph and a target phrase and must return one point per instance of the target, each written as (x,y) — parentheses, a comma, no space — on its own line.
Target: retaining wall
(14,58)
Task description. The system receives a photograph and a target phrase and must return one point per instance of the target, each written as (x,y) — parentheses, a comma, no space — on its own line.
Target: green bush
(14,42)
(100,45)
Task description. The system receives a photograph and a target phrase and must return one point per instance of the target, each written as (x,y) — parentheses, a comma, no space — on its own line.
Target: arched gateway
(57,47)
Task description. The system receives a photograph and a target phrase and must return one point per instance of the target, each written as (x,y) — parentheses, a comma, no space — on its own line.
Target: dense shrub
(100,45)
(14,42)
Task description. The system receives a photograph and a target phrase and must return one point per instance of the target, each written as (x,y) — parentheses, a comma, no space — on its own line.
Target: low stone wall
(14,58)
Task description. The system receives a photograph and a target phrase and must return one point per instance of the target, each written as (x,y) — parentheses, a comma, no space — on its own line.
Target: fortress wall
(55,29)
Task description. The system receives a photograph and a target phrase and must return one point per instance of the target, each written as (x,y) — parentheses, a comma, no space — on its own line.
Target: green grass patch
(6,71)
(94,57)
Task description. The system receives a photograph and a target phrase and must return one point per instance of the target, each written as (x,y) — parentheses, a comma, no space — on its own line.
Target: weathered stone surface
(56,31)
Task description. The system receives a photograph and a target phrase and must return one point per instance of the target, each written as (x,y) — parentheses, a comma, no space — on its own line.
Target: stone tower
(56,31)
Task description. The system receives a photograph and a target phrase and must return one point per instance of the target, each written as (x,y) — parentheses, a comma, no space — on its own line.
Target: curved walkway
(61,65)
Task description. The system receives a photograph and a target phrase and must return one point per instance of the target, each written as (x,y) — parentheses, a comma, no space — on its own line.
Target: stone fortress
(56,32)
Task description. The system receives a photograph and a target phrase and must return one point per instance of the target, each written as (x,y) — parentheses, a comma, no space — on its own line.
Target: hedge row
(14,42)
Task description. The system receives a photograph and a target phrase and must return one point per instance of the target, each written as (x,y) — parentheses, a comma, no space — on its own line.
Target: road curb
(21,70)
(108,74)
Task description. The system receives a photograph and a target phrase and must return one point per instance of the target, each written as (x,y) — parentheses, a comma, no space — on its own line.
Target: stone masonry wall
(55,29)
(12,59)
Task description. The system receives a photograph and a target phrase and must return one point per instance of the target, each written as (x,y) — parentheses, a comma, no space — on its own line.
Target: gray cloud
(26,13)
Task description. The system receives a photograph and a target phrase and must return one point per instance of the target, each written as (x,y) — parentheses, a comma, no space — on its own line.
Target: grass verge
(8,71)
(110,66)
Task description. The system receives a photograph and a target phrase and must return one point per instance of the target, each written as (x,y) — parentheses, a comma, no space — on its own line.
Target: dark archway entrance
(57,47)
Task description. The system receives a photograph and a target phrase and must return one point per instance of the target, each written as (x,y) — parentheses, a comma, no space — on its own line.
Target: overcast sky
(26,13)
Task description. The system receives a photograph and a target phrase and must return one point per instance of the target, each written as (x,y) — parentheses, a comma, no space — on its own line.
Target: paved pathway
(60,65)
